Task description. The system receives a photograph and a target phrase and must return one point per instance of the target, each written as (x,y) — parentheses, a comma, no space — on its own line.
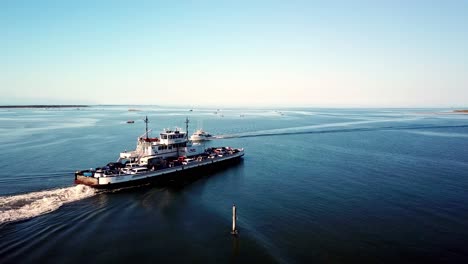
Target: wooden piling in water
(234,231)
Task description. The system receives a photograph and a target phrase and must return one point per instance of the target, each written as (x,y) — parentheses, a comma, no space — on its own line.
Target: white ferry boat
(200,135)
(166,157)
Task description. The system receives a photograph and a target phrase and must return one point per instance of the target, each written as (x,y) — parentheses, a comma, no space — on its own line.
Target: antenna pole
(146,122)
(186,127)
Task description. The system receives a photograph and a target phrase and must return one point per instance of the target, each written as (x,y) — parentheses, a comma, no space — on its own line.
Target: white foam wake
(439,134)
(24,206)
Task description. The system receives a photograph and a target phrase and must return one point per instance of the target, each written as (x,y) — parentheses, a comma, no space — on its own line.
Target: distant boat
(130,122)
(200,135)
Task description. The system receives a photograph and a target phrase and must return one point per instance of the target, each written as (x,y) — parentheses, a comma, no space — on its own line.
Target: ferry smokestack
(234,231)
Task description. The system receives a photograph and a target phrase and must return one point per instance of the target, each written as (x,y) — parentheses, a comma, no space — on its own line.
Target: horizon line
(230,106)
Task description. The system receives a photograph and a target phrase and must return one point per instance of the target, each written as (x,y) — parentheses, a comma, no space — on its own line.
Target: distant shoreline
(461,111)
(42,106)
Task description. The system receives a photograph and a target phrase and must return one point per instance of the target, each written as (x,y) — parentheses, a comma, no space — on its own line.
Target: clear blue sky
(259,53)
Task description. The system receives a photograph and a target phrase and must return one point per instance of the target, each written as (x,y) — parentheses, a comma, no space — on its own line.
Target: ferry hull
(177,175)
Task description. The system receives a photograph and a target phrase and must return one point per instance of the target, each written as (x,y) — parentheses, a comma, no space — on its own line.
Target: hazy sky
(259,53)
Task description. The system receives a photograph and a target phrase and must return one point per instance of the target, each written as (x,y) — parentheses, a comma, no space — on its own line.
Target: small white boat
(200,135)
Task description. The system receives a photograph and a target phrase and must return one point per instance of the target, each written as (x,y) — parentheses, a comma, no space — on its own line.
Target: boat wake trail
(308,130)
(24,206)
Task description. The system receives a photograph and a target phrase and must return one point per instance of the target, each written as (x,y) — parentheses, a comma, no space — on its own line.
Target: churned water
(315,186)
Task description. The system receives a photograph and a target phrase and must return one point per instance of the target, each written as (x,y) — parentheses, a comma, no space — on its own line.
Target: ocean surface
(315,186)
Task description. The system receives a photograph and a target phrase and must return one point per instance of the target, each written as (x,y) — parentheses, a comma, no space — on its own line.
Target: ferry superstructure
(170,155)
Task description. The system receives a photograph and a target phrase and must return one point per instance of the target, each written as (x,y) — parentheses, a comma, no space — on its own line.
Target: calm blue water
(315,185)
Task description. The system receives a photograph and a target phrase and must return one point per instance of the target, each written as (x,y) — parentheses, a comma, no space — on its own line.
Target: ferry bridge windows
(180,145)
(163,147)
(172,146)
(173,136)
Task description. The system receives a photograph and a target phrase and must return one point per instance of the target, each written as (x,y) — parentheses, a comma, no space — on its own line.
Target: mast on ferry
(146,122)
(186,127)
